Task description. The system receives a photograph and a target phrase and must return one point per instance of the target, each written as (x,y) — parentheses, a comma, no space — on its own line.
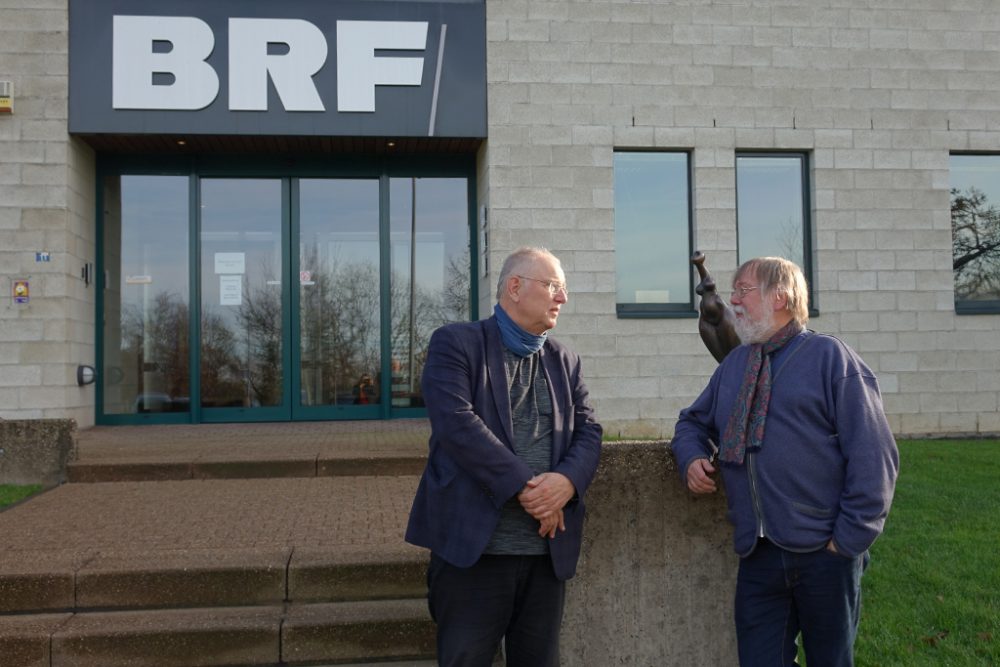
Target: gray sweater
(828,463)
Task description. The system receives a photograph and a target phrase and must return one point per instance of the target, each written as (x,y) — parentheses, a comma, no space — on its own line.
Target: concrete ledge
(254,469)
(357,574)
(24,640)
(183,578)
(152,471)
(355,631)
(657,574)
(32,582)
(237,468)
(36,451)
(383,465)
(169,638)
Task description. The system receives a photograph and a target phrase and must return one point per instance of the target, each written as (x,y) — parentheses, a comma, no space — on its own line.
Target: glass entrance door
(243,325)
(339,324)
(276,298)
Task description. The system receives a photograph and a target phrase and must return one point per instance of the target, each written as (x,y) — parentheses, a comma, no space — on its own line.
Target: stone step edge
(264,635)
(193,579)
(82,472)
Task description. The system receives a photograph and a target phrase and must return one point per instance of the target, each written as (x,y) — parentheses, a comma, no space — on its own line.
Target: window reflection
(652,231)
(975,229)
(146,356)
(243,265)
(339,292)
(430,273)
(769,207)
(241,300)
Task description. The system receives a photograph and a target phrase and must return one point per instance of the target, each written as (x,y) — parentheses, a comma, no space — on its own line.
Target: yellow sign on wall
(21,291)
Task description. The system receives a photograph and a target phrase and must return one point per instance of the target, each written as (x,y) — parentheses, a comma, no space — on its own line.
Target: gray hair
(778,275)
(517,263)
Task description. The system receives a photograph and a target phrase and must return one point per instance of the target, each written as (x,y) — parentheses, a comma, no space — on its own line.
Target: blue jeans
(780,593)
(515,598)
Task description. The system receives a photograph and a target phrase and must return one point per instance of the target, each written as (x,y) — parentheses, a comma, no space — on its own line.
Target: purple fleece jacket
(827,466)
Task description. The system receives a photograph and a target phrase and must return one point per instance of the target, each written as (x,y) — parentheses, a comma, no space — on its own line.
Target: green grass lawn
(931,595)
(11,494)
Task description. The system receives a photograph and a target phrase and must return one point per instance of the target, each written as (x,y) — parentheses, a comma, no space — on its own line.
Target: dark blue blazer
(472,469)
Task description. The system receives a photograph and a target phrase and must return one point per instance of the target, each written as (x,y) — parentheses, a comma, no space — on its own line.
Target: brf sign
(175,50)
(299,67)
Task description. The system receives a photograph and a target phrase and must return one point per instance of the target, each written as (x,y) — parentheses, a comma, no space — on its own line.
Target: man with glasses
(809,466)
(513,448)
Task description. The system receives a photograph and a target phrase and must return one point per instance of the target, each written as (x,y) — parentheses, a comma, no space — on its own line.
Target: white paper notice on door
(230,262)
(230,290)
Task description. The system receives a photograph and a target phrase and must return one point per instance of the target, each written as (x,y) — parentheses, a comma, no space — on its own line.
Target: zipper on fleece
(754,495)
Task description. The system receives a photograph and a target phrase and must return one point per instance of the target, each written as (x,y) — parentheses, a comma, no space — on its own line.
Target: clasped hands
(544,497)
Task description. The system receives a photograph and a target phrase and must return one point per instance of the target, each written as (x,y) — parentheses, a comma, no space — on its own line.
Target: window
(146,296)
(772,208)
(653,234)
(975,232)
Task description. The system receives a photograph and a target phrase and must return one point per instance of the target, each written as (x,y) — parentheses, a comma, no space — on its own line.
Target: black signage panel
(297,67)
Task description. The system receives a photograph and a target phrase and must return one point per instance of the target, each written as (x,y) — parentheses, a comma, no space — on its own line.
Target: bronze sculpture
(715,319)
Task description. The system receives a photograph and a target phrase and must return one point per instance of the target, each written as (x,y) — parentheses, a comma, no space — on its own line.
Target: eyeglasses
(552,286)
(740,292)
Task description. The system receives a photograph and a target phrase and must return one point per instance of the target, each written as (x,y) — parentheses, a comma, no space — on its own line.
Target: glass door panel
(242,316)
(145,365)
(431,275)
(339,318)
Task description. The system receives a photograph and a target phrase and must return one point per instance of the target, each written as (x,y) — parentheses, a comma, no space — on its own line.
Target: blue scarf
(516,339)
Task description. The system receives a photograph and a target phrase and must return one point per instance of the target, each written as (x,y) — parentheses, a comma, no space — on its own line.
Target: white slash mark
(437,79)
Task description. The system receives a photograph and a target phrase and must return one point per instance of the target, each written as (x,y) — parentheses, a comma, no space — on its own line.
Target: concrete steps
(228,636)
(262,468)
(218,553)
(209,578)
(186,608)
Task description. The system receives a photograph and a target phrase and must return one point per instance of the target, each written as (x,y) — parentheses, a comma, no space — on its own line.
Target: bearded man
(809,466)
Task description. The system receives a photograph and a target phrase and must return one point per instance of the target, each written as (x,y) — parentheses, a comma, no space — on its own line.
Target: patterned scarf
(516,339)
(745,429)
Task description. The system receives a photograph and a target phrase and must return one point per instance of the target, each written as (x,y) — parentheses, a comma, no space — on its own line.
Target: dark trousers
(517,598)
(780,593)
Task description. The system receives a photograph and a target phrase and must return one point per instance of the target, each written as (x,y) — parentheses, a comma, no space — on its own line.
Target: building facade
(257,260)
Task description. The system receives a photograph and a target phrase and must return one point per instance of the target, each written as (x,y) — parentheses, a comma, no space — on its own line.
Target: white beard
(750,331)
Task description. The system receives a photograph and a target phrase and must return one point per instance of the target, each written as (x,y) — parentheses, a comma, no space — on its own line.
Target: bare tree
(260,318)
(790,240)
(975,227)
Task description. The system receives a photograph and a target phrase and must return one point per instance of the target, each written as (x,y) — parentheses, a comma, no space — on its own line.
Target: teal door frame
(198,168)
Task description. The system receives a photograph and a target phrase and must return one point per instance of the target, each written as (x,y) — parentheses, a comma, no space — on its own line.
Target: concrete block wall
(878,92)
(46,205)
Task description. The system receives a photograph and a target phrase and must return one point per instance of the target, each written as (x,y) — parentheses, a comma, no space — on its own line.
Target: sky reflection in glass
(651,228)
(769,210)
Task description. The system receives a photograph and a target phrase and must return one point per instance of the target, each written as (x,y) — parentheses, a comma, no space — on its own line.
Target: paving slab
(211,514)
